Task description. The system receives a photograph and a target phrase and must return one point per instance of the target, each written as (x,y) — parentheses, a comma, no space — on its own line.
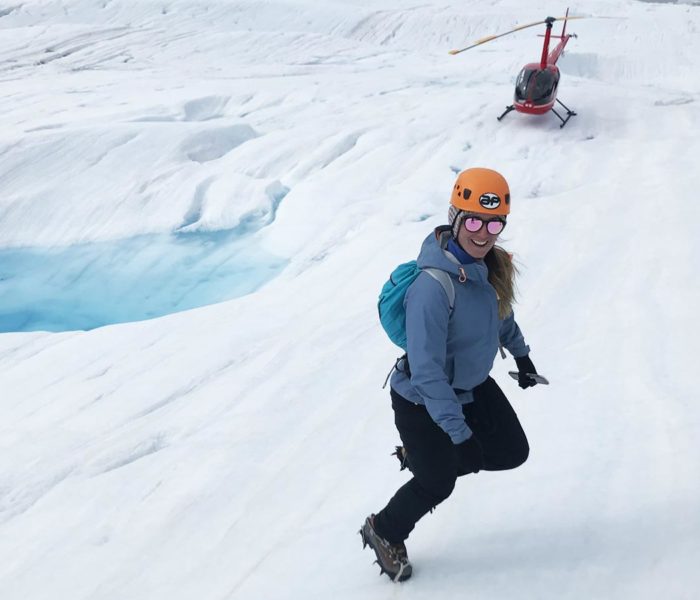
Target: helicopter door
(522,83)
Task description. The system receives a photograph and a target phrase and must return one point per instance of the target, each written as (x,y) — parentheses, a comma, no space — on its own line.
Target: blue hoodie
(449,355)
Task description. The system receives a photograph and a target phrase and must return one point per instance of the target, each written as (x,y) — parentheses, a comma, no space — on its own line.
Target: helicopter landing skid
(507,110)
(569,114)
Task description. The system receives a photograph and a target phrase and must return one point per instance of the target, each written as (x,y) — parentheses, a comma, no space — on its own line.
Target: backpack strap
(446,282)
(448,285)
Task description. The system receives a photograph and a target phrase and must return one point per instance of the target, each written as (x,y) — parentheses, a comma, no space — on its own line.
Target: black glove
(525,366)
(470,455)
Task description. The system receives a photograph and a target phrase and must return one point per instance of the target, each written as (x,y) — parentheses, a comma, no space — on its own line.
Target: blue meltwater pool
(89,285)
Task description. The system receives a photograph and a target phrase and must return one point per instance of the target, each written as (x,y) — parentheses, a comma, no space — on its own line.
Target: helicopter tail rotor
(563,29)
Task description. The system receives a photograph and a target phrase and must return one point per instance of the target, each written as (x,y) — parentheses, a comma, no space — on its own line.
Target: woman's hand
(525,366)
(470,455)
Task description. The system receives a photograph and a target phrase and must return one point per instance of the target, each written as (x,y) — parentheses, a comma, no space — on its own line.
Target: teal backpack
(392,314)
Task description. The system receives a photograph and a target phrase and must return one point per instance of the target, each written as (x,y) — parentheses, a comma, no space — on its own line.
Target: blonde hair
(502,274)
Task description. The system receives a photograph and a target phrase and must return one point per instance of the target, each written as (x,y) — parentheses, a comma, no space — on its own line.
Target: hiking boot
(402,457)
(391,558)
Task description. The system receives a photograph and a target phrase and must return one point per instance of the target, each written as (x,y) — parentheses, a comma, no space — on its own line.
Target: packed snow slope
(232,451)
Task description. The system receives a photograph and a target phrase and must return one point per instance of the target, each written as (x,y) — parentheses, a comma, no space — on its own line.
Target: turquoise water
(90,285)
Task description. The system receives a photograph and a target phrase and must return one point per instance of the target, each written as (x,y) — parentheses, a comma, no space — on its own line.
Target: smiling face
(478,243)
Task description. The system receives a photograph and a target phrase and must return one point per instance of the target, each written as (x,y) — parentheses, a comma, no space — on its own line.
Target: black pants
(433,459)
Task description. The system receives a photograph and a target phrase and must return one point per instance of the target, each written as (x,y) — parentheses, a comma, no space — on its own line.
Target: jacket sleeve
(427,319)
(511,337)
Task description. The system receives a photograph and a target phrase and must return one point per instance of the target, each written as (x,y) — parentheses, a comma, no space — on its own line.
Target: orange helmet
(482,191)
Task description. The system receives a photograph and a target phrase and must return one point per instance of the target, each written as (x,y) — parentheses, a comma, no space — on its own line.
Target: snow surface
(232,451)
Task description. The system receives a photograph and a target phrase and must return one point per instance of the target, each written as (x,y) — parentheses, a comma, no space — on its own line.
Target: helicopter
(537,83)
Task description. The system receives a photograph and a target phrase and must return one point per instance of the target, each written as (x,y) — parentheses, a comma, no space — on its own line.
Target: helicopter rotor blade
(494,37)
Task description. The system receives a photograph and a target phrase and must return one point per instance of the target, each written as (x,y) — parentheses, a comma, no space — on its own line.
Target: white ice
(233,450)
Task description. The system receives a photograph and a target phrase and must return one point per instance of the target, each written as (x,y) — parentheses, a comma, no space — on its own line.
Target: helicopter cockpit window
(536,85)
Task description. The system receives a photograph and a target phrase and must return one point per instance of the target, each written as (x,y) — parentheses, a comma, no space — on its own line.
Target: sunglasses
(493,226)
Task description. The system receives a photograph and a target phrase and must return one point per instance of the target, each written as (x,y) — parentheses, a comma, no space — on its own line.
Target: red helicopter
(537,83)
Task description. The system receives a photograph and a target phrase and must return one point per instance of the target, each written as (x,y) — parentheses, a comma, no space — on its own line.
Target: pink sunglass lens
(472,224)
(494,227)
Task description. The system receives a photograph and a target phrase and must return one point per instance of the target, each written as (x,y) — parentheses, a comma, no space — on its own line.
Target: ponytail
(502,274)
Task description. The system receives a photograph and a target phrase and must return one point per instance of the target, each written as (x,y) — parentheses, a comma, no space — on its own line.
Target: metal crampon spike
(400,454)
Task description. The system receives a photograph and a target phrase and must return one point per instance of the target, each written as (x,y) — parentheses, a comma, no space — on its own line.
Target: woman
(452,417)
